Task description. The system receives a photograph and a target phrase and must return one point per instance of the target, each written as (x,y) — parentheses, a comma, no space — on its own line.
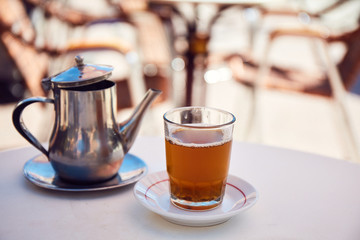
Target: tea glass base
(195,206)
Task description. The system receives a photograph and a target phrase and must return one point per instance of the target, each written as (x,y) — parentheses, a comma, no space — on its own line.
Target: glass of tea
(198,146)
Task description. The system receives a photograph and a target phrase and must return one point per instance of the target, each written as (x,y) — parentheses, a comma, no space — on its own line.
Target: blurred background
(288,70)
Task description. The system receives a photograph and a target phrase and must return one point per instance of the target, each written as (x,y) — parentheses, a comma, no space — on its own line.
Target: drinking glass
(198,146)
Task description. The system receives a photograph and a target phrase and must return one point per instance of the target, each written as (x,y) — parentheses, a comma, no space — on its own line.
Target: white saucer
(39,171)
(153,192)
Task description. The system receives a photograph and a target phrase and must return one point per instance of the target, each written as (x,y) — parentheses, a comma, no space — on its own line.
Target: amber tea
(197,170)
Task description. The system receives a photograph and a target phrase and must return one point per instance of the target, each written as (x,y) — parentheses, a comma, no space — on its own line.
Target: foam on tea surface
(197,137)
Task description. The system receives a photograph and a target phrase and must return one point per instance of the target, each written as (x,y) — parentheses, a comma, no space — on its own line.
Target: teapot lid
(79,75)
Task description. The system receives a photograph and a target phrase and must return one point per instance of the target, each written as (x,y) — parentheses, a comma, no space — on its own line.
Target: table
(198,40)
(302,196)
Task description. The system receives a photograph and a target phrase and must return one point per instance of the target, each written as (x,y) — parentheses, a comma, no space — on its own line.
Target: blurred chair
(154,44)
(49,33)
(21,37)
(18,35)
(334,82)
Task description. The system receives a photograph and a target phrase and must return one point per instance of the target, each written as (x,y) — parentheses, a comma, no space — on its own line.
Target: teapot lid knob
(79,60)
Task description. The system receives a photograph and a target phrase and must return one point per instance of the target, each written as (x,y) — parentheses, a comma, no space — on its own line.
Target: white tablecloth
(302,196)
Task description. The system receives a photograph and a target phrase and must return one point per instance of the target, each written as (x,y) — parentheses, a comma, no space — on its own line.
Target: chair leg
(341,109)
(255,108)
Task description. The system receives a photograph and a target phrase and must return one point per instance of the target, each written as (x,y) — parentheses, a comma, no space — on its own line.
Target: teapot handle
(19,123)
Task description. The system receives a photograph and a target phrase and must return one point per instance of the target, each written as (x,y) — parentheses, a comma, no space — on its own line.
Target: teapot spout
(130,127)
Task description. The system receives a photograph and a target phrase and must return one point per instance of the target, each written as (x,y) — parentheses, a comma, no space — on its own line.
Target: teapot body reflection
(87,145)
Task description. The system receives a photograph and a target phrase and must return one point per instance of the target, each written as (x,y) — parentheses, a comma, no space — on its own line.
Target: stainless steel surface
(39,171)
(79,75)
(129,129)
(87,145)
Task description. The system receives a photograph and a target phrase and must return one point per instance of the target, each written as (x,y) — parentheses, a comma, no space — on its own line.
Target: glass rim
(233,119)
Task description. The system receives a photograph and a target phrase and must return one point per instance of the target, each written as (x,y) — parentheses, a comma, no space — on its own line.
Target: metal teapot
(87,145)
